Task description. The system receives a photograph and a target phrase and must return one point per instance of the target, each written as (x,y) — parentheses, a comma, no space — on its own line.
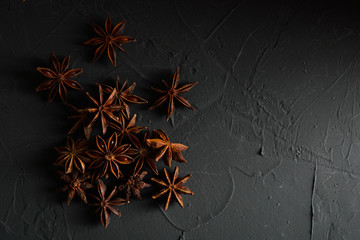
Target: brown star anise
(171,93)
(59,78)
(127,130)
(172,187)
(123,95)
(72,154)
(166,150)
(109,39)
(108,157)
(106,204)
(143,154)
(102,110)
(134,184)
(75,183)
(82,117)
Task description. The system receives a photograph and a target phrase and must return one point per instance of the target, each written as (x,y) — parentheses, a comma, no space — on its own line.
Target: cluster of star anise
(123,152)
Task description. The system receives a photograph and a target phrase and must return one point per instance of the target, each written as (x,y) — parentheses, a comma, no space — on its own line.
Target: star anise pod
(59,78)
(82,117)
(166,150)
(109,39)
(134,184)
(73,154)
(172,187)
(143,154)
(102,110)
(108,157)
(171,93)
(127,129)
(105,204)
(75,183)
(123,95)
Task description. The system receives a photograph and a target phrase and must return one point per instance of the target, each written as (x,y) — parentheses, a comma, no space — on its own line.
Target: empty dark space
(274,141)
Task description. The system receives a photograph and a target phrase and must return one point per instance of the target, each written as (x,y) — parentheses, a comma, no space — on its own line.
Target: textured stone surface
(274,141)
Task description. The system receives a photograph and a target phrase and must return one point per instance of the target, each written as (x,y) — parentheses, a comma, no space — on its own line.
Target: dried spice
(127,148)
(73,154)
(172,187)
(75,183)
(59,78)
(143,154)
(108,157)
(103,110)
(109,39)
(133,185)
(105,204)
(173,93)
(123,95)
(166,150)
(127,130)
(82,117)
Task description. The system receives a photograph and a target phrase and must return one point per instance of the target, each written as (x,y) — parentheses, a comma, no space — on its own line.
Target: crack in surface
(31,52)
(227,16)
(312,204)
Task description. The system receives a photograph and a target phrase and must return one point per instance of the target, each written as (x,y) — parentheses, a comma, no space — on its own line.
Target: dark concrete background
(274,142)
